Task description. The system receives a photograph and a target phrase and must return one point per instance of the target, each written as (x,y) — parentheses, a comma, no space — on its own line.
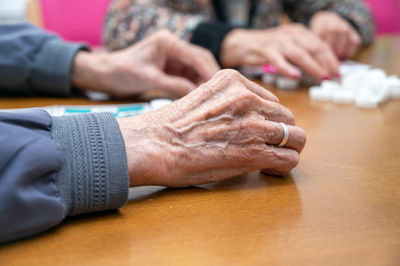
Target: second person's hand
(337,32)
(161,61)
(287,47)
(226,127)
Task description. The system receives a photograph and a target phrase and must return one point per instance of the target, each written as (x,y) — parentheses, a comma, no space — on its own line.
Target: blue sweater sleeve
(32,60)
(54,167)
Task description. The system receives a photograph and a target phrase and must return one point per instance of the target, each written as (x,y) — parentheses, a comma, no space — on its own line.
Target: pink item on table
(268,68)
(386,14)
(75,20)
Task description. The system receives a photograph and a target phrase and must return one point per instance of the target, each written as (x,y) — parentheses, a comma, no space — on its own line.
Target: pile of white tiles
(269,76)
(360,84)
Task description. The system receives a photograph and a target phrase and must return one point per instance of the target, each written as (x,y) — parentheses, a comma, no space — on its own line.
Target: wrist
(88,70)
(232,48)
(143,157)
(321,14)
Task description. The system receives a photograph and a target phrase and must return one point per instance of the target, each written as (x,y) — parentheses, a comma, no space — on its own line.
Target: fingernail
(337,74)
(326,78)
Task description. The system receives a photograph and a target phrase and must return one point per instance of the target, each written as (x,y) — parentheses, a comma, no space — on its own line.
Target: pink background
(82,20)
(75,20)
(386,14)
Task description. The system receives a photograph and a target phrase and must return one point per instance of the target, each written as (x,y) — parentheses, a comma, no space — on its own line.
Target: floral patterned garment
(129,21)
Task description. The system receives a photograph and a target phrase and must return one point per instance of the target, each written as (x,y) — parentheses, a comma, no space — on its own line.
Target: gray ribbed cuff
(52,67)
(94,174)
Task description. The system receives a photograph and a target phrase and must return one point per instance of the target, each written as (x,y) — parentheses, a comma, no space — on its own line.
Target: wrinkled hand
(285,47)
(226,127)
(161,61)
(337,32)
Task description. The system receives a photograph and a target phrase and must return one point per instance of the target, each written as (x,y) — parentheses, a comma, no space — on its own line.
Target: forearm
(32,60)
(55,167)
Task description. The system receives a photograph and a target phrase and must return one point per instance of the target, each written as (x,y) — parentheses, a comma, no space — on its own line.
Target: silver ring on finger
(285,137)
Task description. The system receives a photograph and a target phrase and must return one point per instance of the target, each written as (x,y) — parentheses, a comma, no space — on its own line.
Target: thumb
(176,86)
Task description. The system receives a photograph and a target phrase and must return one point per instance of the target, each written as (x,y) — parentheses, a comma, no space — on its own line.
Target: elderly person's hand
(286,47)
(161,61)
(337,32)
(226,127)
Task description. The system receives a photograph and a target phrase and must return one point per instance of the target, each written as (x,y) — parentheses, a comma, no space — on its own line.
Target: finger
(272,111)
(279,159)
(260,91)
(211,60)
(355,41)
(174,85)
(330,40)
(282,65)
(341,45)
(304,60)
(209,65)
(272,133)
(321,52)
(317,29)
(327,57)
(275,134)
(196,58)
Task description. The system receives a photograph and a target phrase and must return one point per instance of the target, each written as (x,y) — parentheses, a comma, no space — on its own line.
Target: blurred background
(82,20)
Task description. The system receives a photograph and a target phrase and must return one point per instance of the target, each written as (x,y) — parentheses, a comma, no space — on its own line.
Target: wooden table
(340,206)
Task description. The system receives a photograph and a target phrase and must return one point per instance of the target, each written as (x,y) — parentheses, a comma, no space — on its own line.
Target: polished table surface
(340,206)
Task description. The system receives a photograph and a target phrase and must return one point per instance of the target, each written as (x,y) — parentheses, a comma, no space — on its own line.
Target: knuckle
(207,53)
(342,29)
(313,48)
(230,77)
(338,30)
(357,40)
(329,28)
(295,54)
(230,74)
(299,26)
(164,34)
(289,115)
(163,37)
(291,120)
(324,47)
(244,97)
(241,101)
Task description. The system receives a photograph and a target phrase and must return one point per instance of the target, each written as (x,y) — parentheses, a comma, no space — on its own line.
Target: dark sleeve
(210,35)
(32,60)
(353,11)
(54,167)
